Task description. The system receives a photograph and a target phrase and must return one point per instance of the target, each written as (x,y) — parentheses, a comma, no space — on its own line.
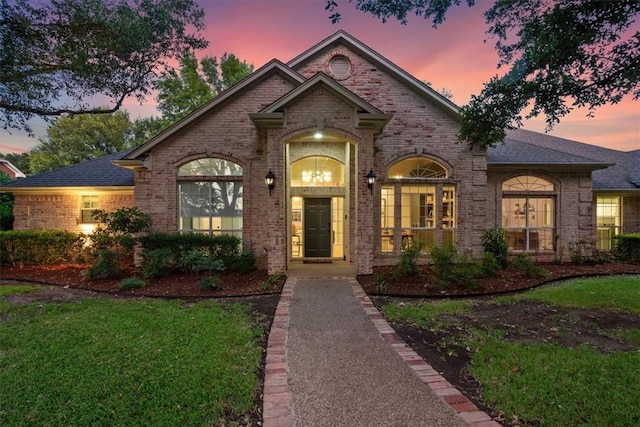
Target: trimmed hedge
(225,247)
(628,247)
(18,247)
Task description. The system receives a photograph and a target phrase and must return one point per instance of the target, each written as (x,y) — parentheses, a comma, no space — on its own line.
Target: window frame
(209,181)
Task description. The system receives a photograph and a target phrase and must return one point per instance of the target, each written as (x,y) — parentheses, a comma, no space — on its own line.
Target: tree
(55,55)
(562,54)
(6,205)
(181,92)
(75,139)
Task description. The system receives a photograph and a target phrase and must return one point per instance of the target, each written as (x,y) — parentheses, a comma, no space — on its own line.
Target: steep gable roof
(273,66)
(99,172)
(341,37)
(367,114)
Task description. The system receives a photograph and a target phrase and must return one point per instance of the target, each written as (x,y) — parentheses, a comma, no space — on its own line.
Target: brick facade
(62,211)
(372,116)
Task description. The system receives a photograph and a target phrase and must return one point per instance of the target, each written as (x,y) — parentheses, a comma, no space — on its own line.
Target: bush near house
(226,248)
(41,247)
(628,247)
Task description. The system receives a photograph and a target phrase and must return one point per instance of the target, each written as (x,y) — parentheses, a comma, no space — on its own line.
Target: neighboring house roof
(532,148)
(7,167)
(93,173)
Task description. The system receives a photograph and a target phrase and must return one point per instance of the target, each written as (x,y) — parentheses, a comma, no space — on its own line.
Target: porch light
(269,179)
(371,179)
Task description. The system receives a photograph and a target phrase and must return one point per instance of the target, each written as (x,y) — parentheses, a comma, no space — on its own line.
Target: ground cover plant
(563,354)
(77,360)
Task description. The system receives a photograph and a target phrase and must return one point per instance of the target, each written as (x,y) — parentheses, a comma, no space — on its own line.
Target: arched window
(427,206)
(417,167)
(528,213)
(210,197)
(317,171)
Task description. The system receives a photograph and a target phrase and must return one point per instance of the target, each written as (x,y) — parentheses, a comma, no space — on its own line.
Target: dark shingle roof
(92,173)
(523,146)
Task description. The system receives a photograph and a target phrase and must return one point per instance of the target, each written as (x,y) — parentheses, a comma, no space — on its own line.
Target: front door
(317,228)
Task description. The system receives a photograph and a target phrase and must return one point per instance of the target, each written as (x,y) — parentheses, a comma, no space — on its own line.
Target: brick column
(365,202)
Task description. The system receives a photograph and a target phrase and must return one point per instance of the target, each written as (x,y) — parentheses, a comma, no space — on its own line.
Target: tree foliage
(562,54)
(182,91)
(75,139)
(54,55)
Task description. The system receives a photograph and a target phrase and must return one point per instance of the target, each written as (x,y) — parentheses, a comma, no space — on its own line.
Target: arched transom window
(210,197)
(317,171)
(528,213)
(417,167)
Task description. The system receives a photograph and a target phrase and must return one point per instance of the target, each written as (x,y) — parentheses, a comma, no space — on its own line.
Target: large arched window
(426,204)
(210,197)
(528,213)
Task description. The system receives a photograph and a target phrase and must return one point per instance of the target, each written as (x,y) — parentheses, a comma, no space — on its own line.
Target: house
(341,154)
(10,170)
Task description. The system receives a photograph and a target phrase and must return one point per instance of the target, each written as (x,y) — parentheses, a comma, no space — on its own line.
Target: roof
(613,170)
(341,37)
(273,66)
(99,172)
(14,172)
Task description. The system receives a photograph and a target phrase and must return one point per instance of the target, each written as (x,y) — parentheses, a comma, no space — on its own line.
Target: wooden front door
(317,228)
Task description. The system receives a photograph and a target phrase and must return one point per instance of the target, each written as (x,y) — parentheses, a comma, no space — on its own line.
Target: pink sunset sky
(455,56)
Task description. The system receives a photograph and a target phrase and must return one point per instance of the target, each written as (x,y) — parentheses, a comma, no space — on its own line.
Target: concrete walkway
(332,360)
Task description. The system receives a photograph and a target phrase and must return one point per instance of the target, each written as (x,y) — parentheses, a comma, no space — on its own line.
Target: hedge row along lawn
(101,361)
(548,383)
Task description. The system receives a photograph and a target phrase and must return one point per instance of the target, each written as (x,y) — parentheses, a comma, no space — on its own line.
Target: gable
(365,114)
(274,66)
(364,67)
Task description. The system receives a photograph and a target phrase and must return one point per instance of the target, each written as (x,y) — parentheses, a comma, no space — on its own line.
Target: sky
(458,56)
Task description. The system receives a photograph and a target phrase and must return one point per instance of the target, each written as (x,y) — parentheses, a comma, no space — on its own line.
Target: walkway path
(332,360)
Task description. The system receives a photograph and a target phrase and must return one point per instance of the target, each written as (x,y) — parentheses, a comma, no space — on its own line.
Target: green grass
(616,292)
(426,313)
(548,384)
(138,362)
(556,386)
(6,290)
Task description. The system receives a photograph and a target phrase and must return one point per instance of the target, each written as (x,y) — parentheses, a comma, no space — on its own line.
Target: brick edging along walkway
(276,406)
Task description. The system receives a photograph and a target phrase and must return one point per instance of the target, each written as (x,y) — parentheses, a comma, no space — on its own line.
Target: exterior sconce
(269,179)
(371,179)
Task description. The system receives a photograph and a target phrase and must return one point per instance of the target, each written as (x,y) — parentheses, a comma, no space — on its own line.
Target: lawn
(105,361)
(565,354)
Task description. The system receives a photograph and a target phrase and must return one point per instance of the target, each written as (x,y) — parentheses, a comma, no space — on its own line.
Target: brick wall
(631,214)
(61,211)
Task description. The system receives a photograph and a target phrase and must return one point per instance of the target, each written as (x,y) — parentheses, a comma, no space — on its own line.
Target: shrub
(40,247)
(244,263)
(132,283)
(210,282)
(117,228)
(192,260)
(379,283)
(268,284)
(490,265)
(495,243)
(443,258)
(158,263)
(628,247)
(106,266)
(225,247)
(407,265)
(529,268)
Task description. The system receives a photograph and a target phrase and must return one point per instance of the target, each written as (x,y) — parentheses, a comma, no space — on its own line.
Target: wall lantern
(269,179)
(371,179)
